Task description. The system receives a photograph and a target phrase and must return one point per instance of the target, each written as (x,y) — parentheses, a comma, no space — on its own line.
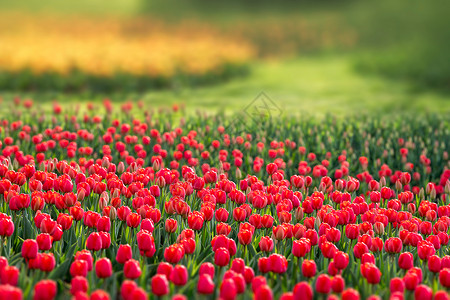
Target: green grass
(314,85)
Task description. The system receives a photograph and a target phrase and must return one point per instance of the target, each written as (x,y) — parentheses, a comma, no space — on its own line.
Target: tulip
(94,242)
(44,241)
(132,269)
(103,268)
(303,290)
(79,284)
(45,289)
(434,264)
(309,268)
(179,275)
(160,285)
(124,253)
(9,275)
(228,289)
(406,260)
(323,284)
(205,285)
(221,257)
(444,277)
(29,249)
(278,263)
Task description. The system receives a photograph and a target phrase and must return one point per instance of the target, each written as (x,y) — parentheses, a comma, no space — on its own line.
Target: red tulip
(303,290)
(29,249)
(45,289)
(160,285)
(337,284)
(205,285)
(174,253)
(444,277)
(221,257)
(124,253)
(94,242)
(103,268)
(341,260)
(228,289)
(406,260)
(179,275)
(132,269)
(278,263)
(309,268)
(9,275)
(79,284)
(44,241)
(323,284)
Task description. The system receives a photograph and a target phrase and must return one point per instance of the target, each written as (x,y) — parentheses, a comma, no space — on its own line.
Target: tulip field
(109,203)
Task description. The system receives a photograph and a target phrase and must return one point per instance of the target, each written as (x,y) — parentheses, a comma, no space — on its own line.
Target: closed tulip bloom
(99,295)
(127,288)
(411,281)
(303,290)
(396,285)
(179,275)
(301,247)
(45,289)
(164,269)
(423,292)
(132,269)
(6,227)
(264,292)
(104,224)
(139,294)
(44,241)
(352,231)
(278,263)
(171,225)
(195,221)
(434,263)
(205,285)
(359,249)
(393,245)
(47,262)
(221,257)
(350,294)
(337,284)
(207,268)
(94,242)
(323,284)
(406,260)
(444,277)
(245,237)
(309,268)
(238,265)
(341,260)
(174,253)
(264,264)
(103,268)
(79,268)
(371,273)
(79,284)
(266,244)
(228,289)
(9,275)
(124,253)
(87,256)
(160,285)
(441,295)
(29,249)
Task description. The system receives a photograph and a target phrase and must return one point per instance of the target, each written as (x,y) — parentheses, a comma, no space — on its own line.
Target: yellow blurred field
(105,47)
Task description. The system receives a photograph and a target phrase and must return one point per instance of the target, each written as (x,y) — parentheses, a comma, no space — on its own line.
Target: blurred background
(310,57)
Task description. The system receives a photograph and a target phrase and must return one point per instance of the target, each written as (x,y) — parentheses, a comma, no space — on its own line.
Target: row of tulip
(114,207)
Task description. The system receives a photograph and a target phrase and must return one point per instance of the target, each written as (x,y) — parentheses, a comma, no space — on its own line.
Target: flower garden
(107,205)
